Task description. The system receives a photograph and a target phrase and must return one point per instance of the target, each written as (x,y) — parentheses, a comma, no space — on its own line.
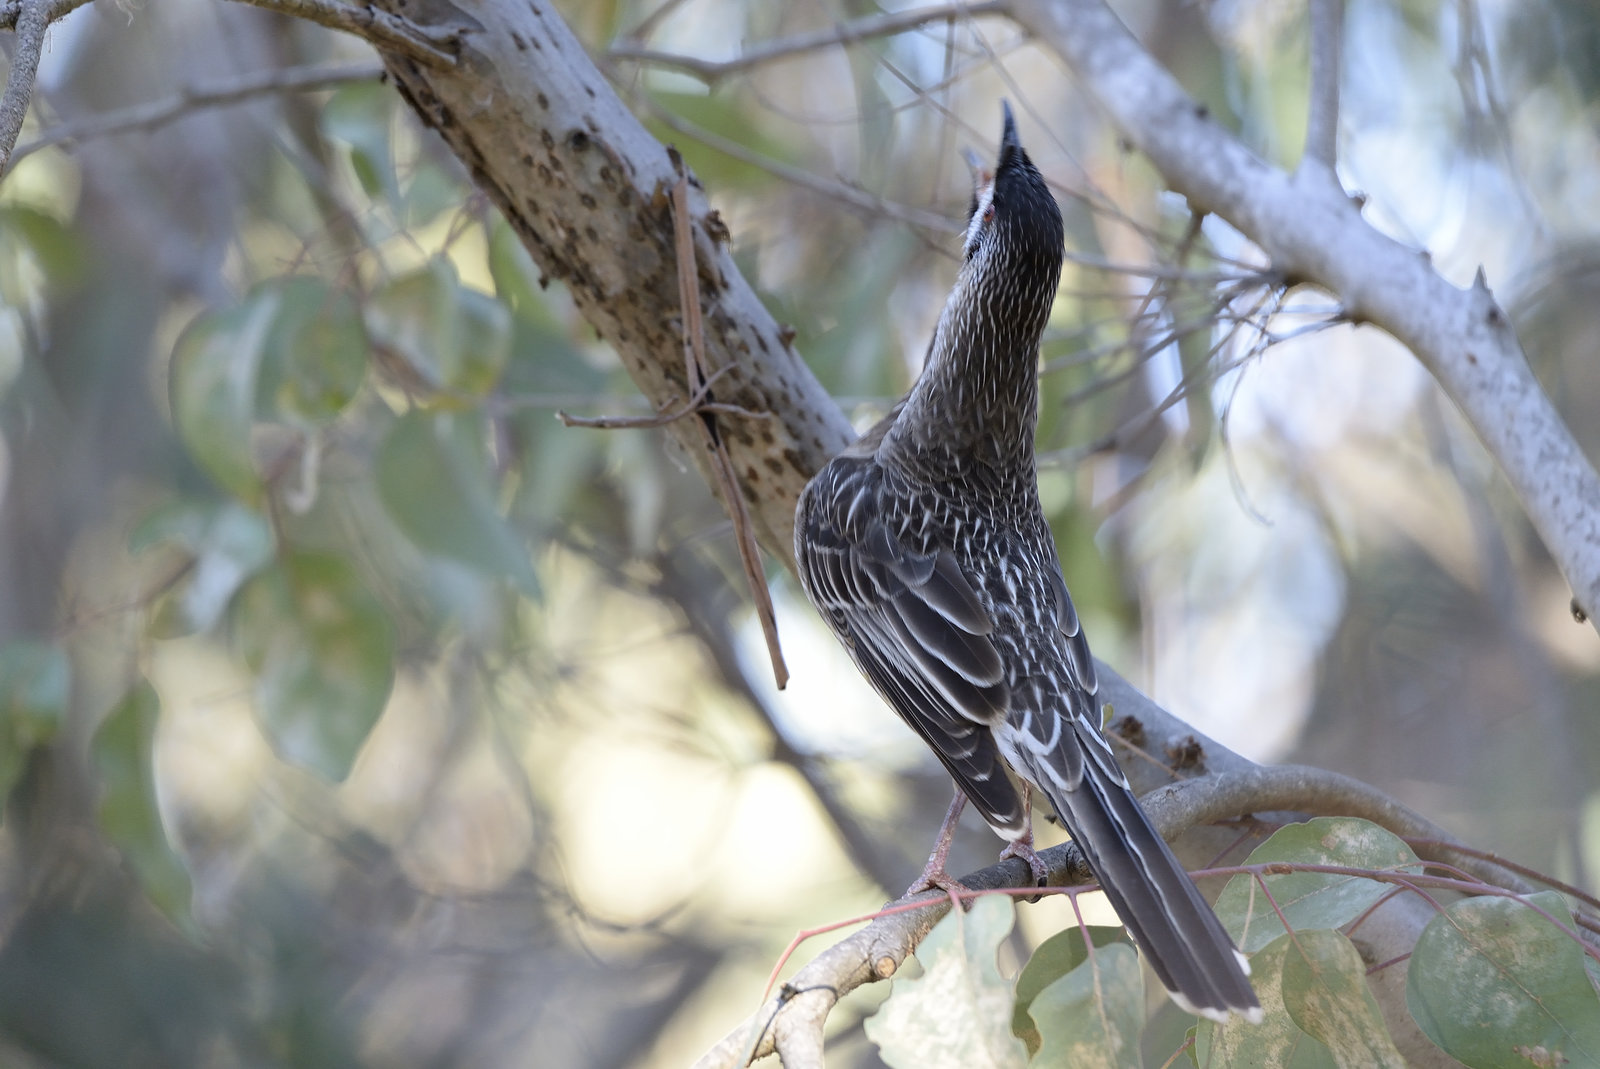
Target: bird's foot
(1023,848)
(935,878)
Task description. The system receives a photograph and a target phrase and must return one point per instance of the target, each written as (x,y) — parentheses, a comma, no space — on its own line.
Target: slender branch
(1313,231)
(1322,119)
(158,113)
(862,29)
(429,45)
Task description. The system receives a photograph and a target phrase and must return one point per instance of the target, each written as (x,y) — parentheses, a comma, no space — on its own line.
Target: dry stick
(694,356)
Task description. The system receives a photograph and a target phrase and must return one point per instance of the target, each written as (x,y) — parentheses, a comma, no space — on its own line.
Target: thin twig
(158,113)
(694,357)
(885,25)
(1322,118)
(428,45)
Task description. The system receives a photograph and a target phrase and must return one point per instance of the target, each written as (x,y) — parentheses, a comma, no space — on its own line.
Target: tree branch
(1314,233)
(1322,120)
(158,113)
(862,29)
(31,18)
(433,47)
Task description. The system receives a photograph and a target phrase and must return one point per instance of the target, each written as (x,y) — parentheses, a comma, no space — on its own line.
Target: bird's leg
(1022,845)
(933,873)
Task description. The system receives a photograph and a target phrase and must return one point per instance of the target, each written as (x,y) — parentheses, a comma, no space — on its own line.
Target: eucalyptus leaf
(1495,984)
(1325,991)
(215,368)
(1277,1041)
(1312,899)
(958,1012)
(1051,960)
(1091,1018)
(433,477)
(322,649)
(124,754)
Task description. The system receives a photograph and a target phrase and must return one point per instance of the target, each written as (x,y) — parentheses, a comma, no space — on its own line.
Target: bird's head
(1013,224)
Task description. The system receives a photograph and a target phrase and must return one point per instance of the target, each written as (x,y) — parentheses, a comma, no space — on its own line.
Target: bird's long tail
(1174,926)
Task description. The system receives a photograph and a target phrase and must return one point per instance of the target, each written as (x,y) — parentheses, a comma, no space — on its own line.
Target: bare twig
(885,25)
(11,11)
(695,374)
(158,113)
(1322,119)
(431,46)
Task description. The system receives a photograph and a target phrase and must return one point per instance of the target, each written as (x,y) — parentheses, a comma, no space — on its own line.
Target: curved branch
(1314,232)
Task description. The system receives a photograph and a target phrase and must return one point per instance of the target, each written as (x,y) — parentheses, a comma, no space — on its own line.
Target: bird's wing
(915,626)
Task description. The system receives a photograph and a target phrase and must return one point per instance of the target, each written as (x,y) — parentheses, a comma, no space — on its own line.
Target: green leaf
(316,354)
(1312,899)
(124,752)
(1093,1015)
(215,367)
(433,477)
(323,652)
(1494,984)
(958,1011)
(1277,1041)
(456,338)
(1325,991)
(229,542)
(1053,959)
(35,684)
(359,115)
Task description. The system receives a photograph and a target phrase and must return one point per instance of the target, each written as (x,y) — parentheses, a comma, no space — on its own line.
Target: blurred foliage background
(355,711)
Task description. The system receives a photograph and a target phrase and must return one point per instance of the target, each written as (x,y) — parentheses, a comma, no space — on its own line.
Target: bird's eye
(988,212)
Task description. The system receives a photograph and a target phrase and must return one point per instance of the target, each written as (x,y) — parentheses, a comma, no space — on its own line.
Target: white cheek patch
(975,225)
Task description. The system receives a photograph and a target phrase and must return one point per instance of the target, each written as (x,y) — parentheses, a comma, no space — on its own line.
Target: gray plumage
(925,548)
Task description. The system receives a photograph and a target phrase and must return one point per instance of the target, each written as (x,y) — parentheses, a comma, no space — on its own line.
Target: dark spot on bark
(516,39)
(766,435)
(1472,358)
(587,201)
(608,178)
(1130,729)
(544,101)
(751,475)
(774,465)
(1201,111)
(578,139)
(545,176)
(761,342)
(590,90)
(1186,753)
(546,140)
(1494,316)
(527,160)
(592,234)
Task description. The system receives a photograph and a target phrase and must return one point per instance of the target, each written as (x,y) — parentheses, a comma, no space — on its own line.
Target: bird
(924,547)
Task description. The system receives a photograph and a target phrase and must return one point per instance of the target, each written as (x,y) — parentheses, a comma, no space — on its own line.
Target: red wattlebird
(925,548)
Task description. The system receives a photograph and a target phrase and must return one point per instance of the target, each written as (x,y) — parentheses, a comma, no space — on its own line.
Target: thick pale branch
(862,29)
(1314,232)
